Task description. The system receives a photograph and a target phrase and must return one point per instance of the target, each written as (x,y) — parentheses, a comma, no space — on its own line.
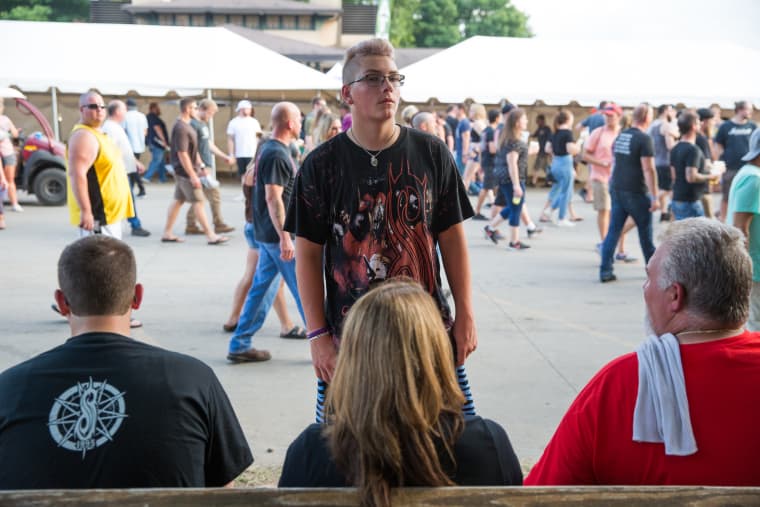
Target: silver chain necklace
(372,157)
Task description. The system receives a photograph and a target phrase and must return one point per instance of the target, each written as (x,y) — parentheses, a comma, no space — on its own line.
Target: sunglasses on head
(94,107)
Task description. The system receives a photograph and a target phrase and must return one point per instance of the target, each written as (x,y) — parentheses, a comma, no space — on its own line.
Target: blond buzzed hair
(369,47)
(208,105)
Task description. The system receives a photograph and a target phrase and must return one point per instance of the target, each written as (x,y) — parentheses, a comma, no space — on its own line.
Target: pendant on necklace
(373,161)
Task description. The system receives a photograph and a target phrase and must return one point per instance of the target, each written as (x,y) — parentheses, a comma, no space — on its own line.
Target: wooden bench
(514,497)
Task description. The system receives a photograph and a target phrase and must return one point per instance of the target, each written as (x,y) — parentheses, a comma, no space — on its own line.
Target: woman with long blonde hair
(394,408)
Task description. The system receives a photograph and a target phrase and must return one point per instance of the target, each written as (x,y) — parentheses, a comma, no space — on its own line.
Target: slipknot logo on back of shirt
(86,416)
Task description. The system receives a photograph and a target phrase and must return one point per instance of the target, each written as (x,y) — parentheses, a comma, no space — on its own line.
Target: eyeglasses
(377,80)
(94,107)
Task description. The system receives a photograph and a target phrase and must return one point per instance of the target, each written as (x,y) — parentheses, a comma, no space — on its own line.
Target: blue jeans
(512,211)
(156,164)
(686,209)
(261,295)
(134,222)
(625,204)
(562,189)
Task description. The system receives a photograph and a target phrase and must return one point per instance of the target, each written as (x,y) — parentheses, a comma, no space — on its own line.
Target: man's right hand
(86,221)
(323,356)
(287,249)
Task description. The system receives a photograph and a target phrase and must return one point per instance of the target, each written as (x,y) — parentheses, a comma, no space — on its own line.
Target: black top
(274,166)
(378,222)
(501,169)
(106,411)
(704,144)
(483,454)
(629,147)
(486,157)
(150,137)
(542,134)
(559,141)
(685,155)
(452,123)
(735,141)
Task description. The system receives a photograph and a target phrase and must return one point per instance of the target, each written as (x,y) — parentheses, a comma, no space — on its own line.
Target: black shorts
(489,179)
(501,199)
(664,180)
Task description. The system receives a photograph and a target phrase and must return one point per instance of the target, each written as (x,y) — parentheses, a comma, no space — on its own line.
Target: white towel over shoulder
(662,409)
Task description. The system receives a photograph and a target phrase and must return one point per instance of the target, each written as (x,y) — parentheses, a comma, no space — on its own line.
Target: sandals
(229,328)
(297,332)
(174,239)
(219,241)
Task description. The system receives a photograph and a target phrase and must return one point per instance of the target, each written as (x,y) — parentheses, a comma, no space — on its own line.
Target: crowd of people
(358,225)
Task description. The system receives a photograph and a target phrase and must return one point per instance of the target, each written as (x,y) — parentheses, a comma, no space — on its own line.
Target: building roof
(250,7)
(294,49)
(408,56)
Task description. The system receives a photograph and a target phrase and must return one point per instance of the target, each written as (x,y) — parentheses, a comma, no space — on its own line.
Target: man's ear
(676,297)
(137,300)
(345,94)
(63,304)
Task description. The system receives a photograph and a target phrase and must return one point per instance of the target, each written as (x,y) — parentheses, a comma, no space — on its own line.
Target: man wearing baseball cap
(743,211)
(243,134)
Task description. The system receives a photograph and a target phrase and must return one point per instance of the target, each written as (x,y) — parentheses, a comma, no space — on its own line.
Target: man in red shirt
(685,408)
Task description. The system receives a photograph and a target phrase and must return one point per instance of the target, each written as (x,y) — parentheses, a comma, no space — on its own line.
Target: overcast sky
(734,20)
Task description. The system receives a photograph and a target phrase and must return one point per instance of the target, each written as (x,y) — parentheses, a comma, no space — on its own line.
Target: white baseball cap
(244,104)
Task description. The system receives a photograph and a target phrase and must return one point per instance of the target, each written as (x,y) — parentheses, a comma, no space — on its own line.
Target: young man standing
(374,202)
(731,144)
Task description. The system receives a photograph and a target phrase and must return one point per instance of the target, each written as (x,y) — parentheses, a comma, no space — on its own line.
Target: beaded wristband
(317,332)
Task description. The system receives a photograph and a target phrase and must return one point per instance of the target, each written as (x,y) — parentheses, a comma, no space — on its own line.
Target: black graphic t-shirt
(274,166)
(682,156)
(106,411)
(734,138)
(628,149)
(483,457)
(377,222)
(542,134)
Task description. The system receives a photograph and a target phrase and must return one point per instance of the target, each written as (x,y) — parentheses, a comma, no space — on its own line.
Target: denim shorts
(9,160)
(249,236)
(687,209)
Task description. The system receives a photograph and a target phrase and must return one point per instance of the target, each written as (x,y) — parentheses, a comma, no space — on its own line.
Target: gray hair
(422,118)
(710,260)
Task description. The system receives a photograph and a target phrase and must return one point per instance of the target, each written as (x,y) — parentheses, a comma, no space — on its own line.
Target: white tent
(488,69)
(150,60)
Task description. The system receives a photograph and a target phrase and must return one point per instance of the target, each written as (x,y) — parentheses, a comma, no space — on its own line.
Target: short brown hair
(97,276)
(208,105)
(370,47)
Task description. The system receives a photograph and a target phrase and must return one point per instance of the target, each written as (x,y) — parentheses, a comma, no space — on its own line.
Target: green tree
(402,22)
(435,24)
(45,10)
(492,17)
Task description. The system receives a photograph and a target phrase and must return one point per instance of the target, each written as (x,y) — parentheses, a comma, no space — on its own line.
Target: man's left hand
(465,336)
(287,249)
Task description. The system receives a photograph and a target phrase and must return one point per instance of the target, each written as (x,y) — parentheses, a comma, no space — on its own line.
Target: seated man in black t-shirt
(398,421)
(105,411)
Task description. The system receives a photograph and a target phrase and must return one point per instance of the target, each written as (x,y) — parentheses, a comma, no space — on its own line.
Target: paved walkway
(545,323)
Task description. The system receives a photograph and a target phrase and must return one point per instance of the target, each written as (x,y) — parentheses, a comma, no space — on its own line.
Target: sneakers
(624,257)
(607,277)
(490,234)
(517,246)
(565,223)
(498,235)
(194,231)
(479,216)
(17,208)
(534,230)
(222,228)
(139,231)
(249,356)
(664,216)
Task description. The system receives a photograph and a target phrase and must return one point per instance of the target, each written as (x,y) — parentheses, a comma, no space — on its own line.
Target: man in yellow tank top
(98,188)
